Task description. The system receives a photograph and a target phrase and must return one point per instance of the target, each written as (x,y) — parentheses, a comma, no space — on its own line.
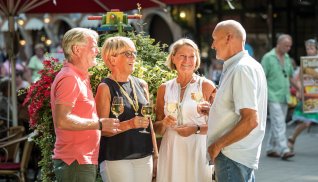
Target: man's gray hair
(76,36)
(282,37)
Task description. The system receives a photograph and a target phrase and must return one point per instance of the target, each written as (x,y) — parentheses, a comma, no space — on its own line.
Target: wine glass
(117,106)
(172,108)
(197,96)
(146,111)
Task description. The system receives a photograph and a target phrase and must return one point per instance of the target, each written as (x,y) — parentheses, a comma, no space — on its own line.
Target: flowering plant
(39,108)
(39,91)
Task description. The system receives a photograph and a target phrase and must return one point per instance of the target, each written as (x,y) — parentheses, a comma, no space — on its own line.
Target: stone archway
(160,31)
(159,25)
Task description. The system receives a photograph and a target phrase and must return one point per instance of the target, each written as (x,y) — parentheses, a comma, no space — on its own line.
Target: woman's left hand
(185,130)
(140,122)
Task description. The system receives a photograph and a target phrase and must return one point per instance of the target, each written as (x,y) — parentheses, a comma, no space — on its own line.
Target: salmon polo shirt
(71,87)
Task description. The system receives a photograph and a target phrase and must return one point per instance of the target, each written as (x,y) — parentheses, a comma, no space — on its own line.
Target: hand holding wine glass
(109,125)
(204,108)
(146,111)
(172,108)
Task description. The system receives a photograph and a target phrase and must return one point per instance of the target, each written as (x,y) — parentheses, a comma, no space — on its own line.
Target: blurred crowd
(26,73)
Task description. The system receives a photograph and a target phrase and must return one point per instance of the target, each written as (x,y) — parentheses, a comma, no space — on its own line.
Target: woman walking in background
(304,119)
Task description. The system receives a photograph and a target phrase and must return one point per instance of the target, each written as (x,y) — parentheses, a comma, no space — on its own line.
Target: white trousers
(277,141)
(134,170)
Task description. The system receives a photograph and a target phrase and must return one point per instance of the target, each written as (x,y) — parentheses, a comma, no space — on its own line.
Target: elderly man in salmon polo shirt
(77,126)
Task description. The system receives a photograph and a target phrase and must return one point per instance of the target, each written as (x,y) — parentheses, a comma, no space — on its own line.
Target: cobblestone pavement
(301,168)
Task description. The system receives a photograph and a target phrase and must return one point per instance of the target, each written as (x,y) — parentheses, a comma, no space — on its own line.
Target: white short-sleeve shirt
(243,85)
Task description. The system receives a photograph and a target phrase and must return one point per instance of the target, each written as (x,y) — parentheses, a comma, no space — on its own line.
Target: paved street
(301,168)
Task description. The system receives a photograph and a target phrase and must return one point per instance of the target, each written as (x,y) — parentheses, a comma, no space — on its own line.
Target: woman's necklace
(187,84)
(135,104)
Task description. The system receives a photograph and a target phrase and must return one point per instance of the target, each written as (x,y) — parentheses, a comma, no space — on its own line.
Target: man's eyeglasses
(129,54)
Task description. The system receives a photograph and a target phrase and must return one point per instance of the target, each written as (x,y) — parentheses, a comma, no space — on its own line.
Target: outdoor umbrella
(12,8)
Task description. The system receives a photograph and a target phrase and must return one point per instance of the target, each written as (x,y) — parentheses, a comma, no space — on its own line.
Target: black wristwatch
(100,125)
(198,129)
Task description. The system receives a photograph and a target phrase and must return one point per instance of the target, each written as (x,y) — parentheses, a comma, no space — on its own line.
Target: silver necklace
(187,84)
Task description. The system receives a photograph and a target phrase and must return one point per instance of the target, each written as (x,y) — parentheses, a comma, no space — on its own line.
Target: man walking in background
(279,71)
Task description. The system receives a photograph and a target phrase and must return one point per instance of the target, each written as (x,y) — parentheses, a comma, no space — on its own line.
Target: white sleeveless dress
(183,159)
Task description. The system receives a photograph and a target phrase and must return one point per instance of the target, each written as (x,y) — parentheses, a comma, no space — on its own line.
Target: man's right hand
(110,125)
(204,108)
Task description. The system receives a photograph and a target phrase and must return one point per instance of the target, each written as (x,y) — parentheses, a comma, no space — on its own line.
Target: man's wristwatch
(198,129)
(100,125)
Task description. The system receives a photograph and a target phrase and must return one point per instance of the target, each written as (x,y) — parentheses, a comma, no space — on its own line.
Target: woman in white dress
(182,154)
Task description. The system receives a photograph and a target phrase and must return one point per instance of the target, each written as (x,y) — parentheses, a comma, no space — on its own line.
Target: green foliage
(46,142)
(149,63)
(149,66)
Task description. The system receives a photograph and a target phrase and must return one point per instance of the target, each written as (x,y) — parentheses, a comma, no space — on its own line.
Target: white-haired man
(77,126)
(237,118)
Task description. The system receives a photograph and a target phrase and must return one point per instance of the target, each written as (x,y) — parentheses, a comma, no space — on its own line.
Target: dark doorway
(160,31)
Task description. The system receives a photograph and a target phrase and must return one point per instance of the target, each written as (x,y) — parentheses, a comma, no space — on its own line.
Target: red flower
(38,95)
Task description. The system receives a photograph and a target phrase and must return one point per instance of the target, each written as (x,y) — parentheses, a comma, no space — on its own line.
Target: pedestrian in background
(36,61)
(278,69)
(304,120)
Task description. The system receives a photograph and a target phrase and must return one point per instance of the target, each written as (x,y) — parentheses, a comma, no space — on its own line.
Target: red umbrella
(80,6)
(12,8)
(93,6)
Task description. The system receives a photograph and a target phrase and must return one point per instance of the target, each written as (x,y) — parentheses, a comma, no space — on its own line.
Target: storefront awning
(34,24)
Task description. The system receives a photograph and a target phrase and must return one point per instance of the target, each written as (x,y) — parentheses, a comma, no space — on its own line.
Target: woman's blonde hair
(174,49)
(76,36)
(115,45)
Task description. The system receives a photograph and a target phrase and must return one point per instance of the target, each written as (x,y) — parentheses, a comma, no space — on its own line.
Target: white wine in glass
(117,107)
(146,111)
(197,96)
(172,108)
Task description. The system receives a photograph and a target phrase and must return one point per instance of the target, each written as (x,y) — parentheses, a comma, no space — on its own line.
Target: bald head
(233,27)
(228,39)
